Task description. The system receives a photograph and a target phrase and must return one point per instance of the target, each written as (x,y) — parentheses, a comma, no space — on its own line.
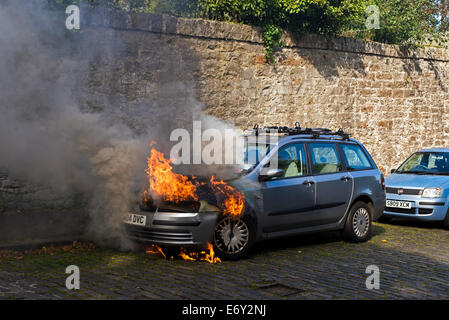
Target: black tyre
(446,221)
(233,237)
(358,223)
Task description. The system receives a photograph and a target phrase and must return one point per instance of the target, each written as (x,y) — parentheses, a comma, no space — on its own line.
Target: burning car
(321,180)
(186,211)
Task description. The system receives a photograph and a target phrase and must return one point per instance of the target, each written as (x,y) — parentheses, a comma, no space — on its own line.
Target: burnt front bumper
(174,228)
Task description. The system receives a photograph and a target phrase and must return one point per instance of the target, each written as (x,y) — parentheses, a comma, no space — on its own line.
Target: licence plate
(136,219)
(399,204)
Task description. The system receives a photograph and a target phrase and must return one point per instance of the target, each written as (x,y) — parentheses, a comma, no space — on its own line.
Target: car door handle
(308,182)
(345,178)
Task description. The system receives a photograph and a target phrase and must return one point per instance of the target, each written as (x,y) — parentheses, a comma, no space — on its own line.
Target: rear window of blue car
(355,157)
(325,158)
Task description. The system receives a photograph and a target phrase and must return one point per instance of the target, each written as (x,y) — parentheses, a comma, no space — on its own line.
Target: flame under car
(189,224)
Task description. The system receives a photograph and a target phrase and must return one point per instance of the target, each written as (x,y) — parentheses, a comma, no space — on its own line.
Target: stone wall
(393,100)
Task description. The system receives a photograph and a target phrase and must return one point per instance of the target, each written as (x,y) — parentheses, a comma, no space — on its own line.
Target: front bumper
(174,228)
(428,209)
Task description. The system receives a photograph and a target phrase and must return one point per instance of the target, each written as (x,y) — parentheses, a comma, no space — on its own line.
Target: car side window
(325,158)
(356,159)
(292,160)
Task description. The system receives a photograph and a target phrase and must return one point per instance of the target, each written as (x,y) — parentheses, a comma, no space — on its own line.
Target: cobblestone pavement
(413,259)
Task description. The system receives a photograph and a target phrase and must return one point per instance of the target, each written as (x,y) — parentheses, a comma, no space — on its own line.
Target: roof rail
(315,132)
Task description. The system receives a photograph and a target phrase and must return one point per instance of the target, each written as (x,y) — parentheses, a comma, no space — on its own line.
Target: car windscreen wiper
(414,172)
(432,173)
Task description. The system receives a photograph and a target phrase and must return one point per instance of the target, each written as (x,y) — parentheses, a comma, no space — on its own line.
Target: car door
(289,200)
(333,184)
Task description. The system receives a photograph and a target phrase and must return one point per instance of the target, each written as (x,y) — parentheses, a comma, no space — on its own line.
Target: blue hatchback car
(419,188)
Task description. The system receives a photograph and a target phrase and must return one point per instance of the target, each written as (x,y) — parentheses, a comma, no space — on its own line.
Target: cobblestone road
(413,259)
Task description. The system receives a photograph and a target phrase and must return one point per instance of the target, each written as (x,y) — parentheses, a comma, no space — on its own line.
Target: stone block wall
(393,100)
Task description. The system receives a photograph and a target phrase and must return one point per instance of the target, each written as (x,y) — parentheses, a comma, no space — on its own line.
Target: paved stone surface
(413,259)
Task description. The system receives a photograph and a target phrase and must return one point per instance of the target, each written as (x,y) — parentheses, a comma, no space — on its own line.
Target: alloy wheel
(360,222)
(231,235)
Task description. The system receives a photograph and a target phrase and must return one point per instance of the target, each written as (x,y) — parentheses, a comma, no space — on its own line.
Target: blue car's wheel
(358,223)
(446,221)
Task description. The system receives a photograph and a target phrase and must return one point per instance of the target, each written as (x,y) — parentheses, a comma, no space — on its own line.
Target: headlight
(431,193)
(206,207)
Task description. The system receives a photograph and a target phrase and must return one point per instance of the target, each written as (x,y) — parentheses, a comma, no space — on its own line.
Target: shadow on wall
(351,55)
(412,64)
(321,48)
(144,80)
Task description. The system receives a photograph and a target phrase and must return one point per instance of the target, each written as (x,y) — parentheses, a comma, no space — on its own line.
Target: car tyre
(358,224)
(446,221)
(234,237)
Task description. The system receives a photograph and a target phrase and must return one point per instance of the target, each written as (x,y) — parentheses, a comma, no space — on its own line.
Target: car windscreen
(253,154)
(436,163)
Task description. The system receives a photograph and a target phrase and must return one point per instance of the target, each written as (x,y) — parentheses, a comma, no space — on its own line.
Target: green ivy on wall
(406,22)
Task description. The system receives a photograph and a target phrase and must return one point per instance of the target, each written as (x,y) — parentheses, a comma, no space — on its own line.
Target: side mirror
(270,173)
(393,171)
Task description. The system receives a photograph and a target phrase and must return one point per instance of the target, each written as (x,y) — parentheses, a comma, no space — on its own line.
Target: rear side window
(325,158)
(355,157)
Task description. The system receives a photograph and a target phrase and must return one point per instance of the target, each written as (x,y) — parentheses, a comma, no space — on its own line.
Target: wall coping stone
(216,30)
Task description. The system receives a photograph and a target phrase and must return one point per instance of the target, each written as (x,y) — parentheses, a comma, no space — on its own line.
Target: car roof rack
(315,132)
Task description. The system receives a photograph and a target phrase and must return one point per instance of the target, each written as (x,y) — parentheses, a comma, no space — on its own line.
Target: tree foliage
(299,16)
(410,22)
(322,16)
(407,22)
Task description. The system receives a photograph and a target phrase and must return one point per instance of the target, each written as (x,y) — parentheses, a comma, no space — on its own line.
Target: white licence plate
(136,219)
(399,204)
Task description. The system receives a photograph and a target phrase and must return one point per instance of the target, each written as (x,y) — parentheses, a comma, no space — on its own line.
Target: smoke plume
(49,136)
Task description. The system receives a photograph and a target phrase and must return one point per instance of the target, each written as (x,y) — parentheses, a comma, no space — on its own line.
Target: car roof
(320,138)
(435,150)
(285,138)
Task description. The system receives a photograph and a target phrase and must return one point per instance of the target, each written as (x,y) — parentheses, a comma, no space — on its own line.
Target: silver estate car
(323,181)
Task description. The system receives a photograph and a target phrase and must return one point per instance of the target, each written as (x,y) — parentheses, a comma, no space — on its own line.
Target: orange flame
(210,257)
(202,256)
(185,256)
(234,200)
(154,249)
(166,184)
(173,187)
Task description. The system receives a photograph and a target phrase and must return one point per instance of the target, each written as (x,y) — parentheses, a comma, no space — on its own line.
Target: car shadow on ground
(414,223)
(305,240)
